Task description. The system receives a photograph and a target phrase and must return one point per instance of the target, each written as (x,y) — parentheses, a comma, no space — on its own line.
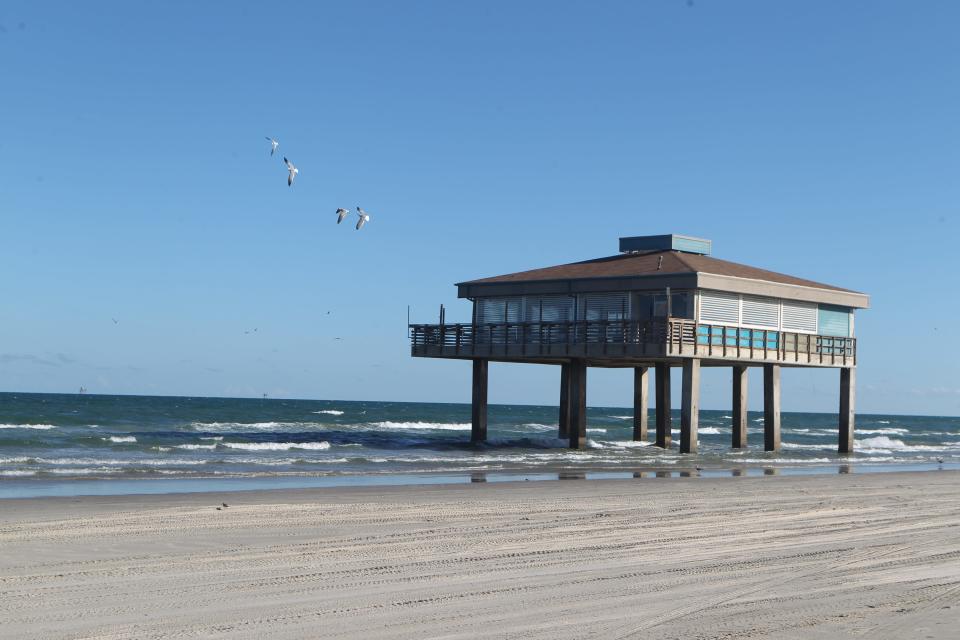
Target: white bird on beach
(273,145)
(341,214)
(293,171)
(364,218)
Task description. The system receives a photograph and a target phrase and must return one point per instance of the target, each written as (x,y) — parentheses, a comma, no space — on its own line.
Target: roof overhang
(731,284)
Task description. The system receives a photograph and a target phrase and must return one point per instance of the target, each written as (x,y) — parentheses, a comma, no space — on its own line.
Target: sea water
(67,440)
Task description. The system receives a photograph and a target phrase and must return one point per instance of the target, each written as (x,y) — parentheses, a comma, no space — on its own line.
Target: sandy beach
(875,555)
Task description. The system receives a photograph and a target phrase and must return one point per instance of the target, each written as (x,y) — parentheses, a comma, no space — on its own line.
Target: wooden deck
(624,343)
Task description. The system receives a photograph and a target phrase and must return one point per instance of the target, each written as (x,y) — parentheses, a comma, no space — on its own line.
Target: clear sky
(150,243)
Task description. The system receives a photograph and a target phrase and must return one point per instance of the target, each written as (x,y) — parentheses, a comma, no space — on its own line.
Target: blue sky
(820,139)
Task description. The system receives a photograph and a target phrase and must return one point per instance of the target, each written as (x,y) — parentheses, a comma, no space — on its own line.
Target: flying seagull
(364,218)
(293,171)
(341,214)
(273,145)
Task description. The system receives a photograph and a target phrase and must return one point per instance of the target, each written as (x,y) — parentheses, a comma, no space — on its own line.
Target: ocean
(71,444)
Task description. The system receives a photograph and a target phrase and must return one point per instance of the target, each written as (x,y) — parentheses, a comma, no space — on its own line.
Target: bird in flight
(341,214)
(293,171)
(364,218)
(115,321)
(273,145)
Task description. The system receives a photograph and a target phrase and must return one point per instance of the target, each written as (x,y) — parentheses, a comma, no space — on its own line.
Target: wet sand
(875,556)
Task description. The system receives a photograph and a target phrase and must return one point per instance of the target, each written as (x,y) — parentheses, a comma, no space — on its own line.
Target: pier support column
(478,418)
(739,407)
(640,403)
(564,422)
(848,392)
(578,404)
(771,407)
(664,422)
(690,406)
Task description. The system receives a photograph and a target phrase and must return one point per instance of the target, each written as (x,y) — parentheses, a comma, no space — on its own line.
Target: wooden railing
(673,337)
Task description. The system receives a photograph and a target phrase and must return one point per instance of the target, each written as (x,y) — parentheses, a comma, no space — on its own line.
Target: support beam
(640,403)
(664,422)
(478,418)
(739,407)
(771,407)
(578,404)
(564,422)
(848,394)
(690,407)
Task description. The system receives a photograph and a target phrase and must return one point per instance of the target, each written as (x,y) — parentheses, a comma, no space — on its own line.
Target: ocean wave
(39,427)
(889,430)
(596,430)
(628,444)
(621,417)
(539,426)
(217,438)
(442,426)
(780,460)
(329,412)
(795,445)
(120,439)
(194,447)
(275,446)
(16,473)
(710,431)
(256,426)
(88,462)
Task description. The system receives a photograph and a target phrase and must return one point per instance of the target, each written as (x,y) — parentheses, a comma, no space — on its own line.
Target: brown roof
(645,264)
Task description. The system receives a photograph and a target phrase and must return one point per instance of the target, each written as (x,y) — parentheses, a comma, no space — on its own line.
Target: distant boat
(83,389)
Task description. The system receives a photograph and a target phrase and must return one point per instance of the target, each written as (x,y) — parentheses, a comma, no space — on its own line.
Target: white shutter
(800,316)
(761,312)
(719,307)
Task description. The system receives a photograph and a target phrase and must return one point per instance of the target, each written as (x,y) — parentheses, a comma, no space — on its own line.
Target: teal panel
(833,321)
(691,245)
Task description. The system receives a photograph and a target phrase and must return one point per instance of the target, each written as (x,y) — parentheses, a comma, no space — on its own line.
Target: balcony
(625,342)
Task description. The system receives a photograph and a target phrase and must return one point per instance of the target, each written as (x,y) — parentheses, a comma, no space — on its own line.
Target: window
(799,316)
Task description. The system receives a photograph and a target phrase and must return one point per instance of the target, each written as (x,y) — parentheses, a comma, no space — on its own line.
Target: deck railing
(672,337)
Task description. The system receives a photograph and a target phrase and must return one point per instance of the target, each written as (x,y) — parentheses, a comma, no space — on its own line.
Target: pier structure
(663,302)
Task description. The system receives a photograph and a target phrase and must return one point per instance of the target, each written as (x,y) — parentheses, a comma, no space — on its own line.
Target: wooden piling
(578,404)
(478,424)
(640,403)
(690,406)
(664,422)
(848,385)
(771,407)
(739,440)
(564,420)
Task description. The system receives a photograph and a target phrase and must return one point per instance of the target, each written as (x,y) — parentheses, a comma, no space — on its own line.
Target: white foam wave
(17,473)
(621,417)
(779,460)
(795,445)
(15,460)
(596,430)
(329,412)
(194,447)
(629,444)
(883,421)
(233,426)
(539,426)
(120,439)
(38,427)
(276,446)
(881,442)
(422,426)
(710,431)
(889,430)
(217,438)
